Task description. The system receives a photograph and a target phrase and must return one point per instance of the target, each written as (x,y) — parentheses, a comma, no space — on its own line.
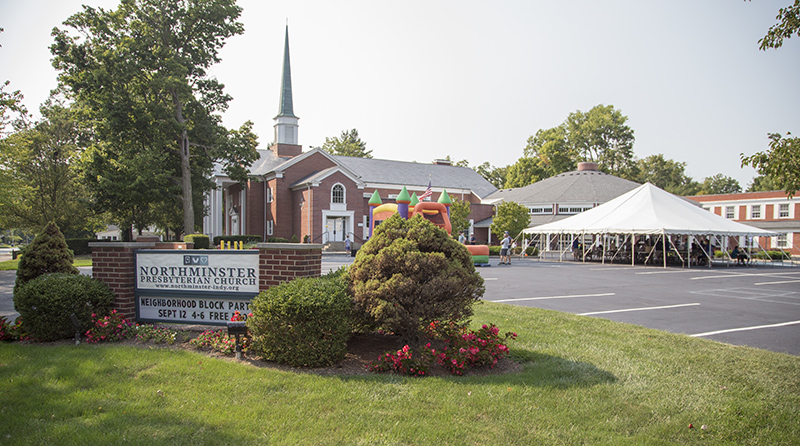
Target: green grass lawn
(585,381)
(11,265)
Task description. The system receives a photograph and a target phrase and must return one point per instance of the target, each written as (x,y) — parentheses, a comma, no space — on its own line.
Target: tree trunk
(186,171)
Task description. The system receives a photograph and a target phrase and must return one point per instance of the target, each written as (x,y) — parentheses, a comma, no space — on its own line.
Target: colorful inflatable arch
(437,213)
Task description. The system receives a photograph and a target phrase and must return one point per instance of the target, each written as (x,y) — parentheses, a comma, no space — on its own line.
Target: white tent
(648,210)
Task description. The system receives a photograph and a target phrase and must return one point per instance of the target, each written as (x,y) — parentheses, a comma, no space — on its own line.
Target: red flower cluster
(472,348)
(402,363)
(113,327)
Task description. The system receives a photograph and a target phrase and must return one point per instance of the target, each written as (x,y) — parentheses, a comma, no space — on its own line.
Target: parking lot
(753,306)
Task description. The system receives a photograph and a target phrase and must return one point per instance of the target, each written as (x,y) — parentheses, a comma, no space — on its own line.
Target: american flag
(427,193)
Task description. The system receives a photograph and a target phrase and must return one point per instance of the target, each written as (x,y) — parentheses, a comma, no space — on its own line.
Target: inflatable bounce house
(437,213)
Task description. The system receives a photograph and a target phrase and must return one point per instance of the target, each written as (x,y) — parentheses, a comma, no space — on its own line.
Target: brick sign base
(113,263)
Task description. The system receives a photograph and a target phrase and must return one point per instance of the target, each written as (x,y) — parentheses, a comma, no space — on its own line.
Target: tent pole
(664,250)
(605,242)
(689,251)
(633,249)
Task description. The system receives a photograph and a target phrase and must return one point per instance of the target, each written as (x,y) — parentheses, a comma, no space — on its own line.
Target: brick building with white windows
(773,211)
(324,198)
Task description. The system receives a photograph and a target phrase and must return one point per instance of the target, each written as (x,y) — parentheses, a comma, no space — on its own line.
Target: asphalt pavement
(753,306)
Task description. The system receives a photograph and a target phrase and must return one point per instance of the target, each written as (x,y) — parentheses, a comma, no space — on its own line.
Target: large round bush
(46,303)
(411,273)
(303,323)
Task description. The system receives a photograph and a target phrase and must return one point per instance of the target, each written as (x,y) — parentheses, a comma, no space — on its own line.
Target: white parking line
(637,309)
(489,278)
(554,297)
(776,283)
(725,276)
(712,333)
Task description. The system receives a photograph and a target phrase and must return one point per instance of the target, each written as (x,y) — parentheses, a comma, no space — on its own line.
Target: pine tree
(48,253)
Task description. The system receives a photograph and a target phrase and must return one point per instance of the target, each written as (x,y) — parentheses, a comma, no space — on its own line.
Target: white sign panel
(191,310)
(199,271)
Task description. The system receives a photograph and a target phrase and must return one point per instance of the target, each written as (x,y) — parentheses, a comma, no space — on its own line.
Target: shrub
(201,241)
(303,323)
(277,240)
(411,273)
(79,246)
(466,348)
(47,302)
(403,362)
(48,253)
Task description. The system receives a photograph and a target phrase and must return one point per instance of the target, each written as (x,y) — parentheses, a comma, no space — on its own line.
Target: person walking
(505,259)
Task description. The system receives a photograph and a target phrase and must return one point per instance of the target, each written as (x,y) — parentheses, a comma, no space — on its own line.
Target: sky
(473,80)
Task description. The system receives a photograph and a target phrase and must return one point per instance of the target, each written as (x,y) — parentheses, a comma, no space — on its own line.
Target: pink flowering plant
(111,328)
(462,349)
(12,332)
(403,362)
(219,340)
(471,348)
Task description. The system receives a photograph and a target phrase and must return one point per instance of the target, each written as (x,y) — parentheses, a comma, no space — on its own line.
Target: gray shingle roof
(579,186)
(404,173)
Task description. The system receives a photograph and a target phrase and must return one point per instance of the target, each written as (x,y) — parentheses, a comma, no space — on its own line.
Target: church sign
(194,287)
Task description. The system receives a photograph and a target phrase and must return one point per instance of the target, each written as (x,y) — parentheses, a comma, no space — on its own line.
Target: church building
(319,197)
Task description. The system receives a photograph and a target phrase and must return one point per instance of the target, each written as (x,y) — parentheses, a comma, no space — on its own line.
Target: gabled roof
(579,186)
(377,171)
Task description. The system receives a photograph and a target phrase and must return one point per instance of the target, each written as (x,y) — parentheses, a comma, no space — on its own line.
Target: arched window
(337,194)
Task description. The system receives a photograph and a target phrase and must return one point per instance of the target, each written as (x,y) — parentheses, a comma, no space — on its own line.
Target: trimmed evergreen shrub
(79,246)
(201,241)
(46,303)
(411,273)
(303,323)
(48,253)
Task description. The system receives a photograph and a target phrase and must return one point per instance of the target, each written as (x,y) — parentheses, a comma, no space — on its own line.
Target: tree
(348,144)
(552,151)
(459,216)
(719,184)
(600,135)
(666,174)
(512,217)
(762,183)
(141,74)
(524,172)
(781,162)
(41,170)
(788,25)
(494,175)
(11,104)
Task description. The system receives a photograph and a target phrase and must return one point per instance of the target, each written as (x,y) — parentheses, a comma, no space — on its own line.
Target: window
(755,211)
(783,210)
(572,210)
(269,195)
(270,227)
(782,241)
(730,212)
(337,194)
(540,210)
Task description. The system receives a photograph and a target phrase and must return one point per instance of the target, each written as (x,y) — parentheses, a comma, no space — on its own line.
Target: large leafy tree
(348,144)
(140,71)
(787,26)
(40,167)
(512,217)
(762,183)
(601,135)
(719,184)
(666,174)
(494,175)
(781,162)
